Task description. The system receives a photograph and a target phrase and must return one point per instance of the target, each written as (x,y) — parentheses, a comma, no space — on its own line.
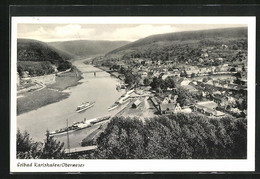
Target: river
(100,88)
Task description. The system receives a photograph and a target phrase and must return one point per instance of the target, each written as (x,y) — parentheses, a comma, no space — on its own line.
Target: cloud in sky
(113,32)
(137,32)
(49,33)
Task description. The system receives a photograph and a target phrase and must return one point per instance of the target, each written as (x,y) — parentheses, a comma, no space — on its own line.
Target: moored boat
(79,125)
(64,130)
(114,106)
(124,99)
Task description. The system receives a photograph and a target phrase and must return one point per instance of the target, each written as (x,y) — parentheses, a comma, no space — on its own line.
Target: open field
(35,99)
(66,80)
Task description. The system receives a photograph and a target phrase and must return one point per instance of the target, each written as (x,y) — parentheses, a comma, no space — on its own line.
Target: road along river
(100,88)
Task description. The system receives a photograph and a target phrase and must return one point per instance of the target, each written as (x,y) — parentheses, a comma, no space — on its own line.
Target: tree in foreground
(180,136)
(25,147)
(28,149)
(52,149)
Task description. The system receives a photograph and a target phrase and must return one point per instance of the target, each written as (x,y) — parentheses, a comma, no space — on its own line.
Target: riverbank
(32,100)
(66,80)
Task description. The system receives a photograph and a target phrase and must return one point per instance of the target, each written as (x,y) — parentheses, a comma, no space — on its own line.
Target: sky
(112,32)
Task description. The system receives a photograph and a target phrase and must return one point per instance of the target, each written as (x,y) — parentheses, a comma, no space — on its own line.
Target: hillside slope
(34,50)
(39,58)
(187,35)
(87,47)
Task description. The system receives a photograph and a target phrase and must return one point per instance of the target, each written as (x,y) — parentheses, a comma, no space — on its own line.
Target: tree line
(38,68)
(176,136)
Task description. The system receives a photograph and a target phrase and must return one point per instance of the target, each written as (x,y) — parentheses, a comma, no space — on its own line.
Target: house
(143,73)
(219,59)
(210,82)
(239,68)
(231,100)
(158,62)
(185,82)
(225,85)
(136,103)
(208,104)
(204,55)
(235,110)
(174,73)
(203,70)
(169,99)
(208,108)
(186,110)
(25,74)
(177,108)
(204,50)
(217,98)
(190,88)
(165,76)
(224,68)
(215,82)
(231,85)
(190,72)
(243,77)
(217,92)
(219,114)
(166,100)
(168,108)
(213,69)
(175,70)
(223,46)
(201,60)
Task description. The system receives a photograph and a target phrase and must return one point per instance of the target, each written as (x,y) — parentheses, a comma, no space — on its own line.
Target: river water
(101,89)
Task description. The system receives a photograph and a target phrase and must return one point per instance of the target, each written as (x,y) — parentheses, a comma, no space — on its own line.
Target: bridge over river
(98,70)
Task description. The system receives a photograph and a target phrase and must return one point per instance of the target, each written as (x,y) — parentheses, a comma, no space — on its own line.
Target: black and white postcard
(132,94)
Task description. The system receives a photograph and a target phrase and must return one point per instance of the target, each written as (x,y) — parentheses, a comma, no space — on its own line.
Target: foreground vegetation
(28,149)
(181,136)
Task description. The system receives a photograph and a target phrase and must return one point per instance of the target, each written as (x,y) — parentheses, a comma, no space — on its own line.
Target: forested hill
(39,58)
(200,35)
(87,47)
(34,50)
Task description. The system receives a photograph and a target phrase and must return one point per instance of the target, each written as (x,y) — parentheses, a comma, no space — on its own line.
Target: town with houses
(216,89)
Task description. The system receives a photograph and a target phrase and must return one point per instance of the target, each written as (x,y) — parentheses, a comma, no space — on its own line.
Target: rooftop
(207,104)
(167,107)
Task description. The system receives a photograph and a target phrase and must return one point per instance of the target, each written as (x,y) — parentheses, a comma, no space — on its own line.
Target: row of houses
(207,108)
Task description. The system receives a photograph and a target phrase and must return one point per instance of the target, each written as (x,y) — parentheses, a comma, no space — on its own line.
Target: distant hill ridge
(34,50)
(187,35)
(87,47)
(39,58)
